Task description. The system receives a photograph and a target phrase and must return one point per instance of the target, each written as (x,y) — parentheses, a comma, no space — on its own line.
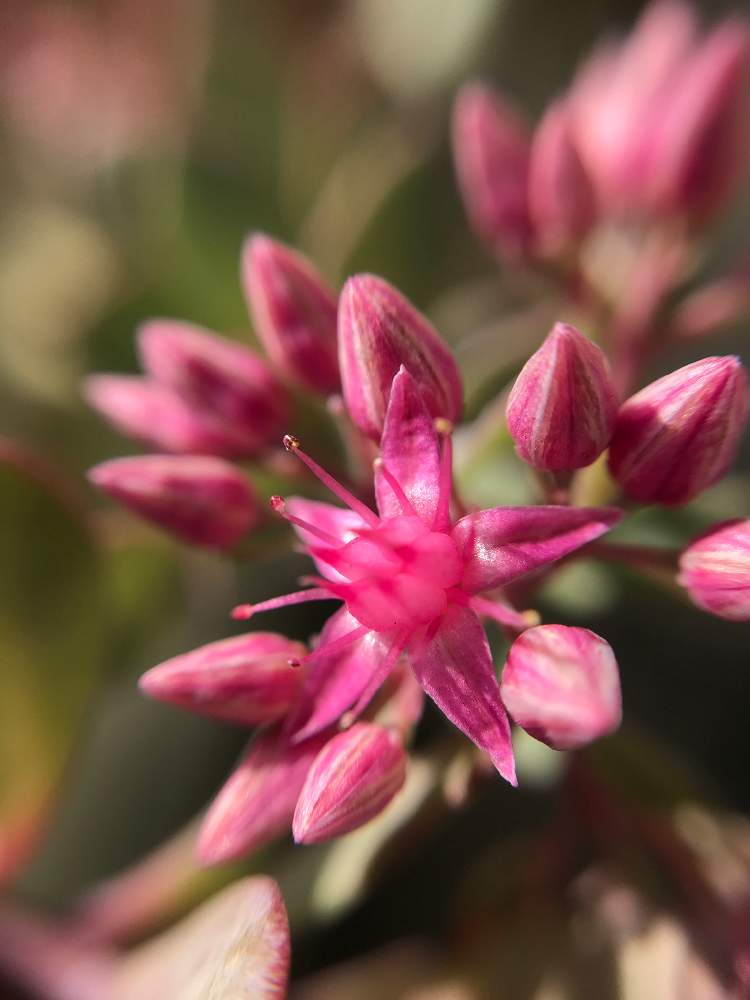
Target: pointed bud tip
(562,408)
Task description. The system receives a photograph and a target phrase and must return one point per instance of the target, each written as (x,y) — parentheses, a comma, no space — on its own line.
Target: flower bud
(562,685)
(491,153)
(561,410)
(561,199)
(202,500)
(715,570)
(352,779)
(156,415)
(226,381)
(247,679)
(677,436)
(257,802)
(380,330)
(294,313)
(699,149)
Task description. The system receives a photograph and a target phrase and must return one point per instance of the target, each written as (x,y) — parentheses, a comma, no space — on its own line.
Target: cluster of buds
(653,127)
(204,400)
(416,572)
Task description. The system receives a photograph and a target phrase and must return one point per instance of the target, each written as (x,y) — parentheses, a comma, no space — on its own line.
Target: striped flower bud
(715,570)
(491,153)
(202,500)
(352,779)
(256,804)
(561,410)
(699,148)
(677,436)
(379,331)
(562,685)
(561,198)
(247,679)
(156,415)
(220,380)
(294,313)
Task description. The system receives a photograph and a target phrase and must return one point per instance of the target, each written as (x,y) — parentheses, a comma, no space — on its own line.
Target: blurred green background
(325,124)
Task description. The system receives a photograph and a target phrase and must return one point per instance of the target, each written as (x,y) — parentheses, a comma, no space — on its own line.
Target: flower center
(397,573)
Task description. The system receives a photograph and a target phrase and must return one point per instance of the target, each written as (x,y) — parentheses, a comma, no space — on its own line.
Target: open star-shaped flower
(411,578)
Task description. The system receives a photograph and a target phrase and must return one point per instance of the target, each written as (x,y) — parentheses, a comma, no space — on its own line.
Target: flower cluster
(415,571)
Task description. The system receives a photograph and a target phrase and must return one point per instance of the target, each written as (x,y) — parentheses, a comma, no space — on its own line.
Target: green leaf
(51,630)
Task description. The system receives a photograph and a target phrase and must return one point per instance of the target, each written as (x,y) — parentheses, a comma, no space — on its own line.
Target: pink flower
(561,410)
(219,380)
(156,415)
(204,394)
(380,330)
(410,579)
(257,803)
(491,144)
(661,116)
(294,313)
(715,570)
(678,435)
(562,685)
(245,679)
(352,779)
(200,499)
(561,198)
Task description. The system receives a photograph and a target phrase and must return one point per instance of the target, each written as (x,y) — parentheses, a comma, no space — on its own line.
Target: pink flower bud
(677,436)
(257,802)
(715,570)
(562,686)
(157,416)
(202,500)
(294,313)
(379,331)
(248,679)
(491,152)
(620,99)
(700,148)
(561,199)
(561,410)
(352,779)
(226,381)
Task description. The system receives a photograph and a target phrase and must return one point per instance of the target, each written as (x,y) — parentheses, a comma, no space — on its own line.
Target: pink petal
(336,521)
(334,682)
(409,450)
(456,671)
(257,802)
(503,543)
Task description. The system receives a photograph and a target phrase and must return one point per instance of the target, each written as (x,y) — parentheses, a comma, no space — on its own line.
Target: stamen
(279,506)
(334,647)
(445,482)
(503,613)
(395,485)
(244,611)
(292,444)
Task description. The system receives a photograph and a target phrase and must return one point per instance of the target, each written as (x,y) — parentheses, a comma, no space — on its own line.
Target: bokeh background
(141,142)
